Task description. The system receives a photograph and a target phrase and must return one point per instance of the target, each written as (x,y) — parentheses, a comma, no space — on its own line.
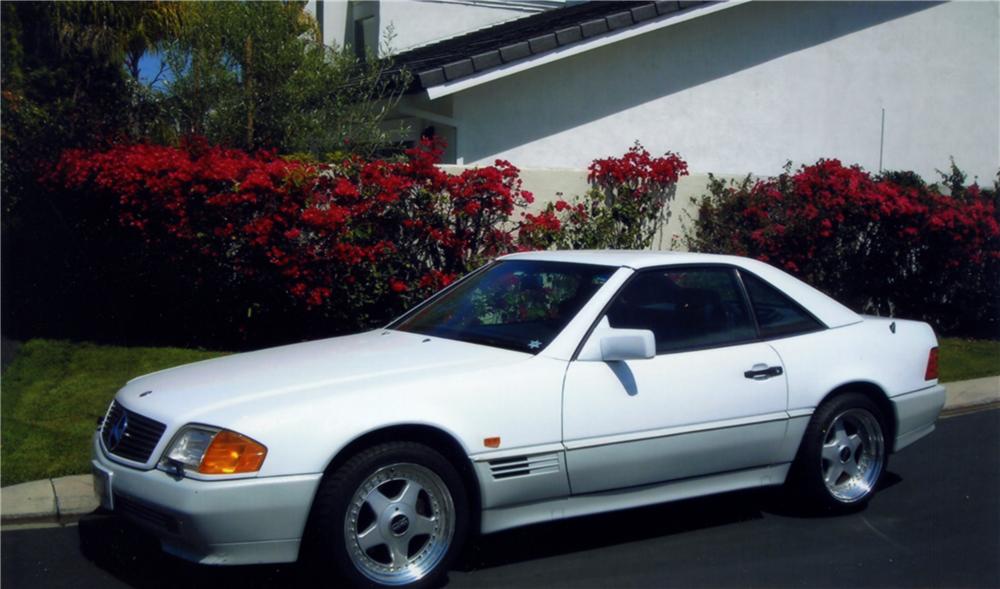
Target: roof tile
(486,60)
(515,51)
(665,7)
(644,12)
(457,69)
(619,20)
(543,43)
(592,28)
(431,77)
(569,35)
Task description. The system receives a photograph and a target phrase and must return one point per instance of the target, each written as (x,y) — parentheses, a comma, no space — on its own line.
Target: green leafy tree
(70,78)
(58,92)
(120,32)
(252,75)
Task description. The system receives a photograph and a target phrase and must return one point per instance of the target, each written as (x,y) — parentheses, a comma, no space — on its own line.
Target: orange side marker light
(492,442)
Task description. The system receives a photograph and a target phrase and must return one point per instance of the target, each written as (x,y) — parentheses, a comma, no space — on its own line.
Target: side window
(777,315)
(685,308)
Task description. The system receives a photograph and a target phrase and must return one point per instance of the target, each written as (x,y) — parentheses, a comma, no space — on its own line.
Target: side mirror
(608,344)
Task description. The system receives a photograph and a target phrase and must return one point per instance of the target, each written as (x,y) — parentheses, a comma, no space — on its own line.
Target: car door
(712,400)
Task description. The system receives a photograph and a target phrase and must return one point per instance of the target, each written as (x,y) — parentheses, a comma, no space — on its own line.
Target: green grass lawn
(54,392)
(963,359)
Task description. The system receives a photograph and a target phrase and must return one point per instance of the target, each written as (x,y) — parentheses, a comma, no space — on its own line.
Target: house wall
(418,22)
(746,89)
(332,18)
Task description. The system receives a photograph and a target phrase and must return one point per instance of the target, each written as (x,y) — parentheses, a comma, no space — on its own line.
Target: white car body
(576,437)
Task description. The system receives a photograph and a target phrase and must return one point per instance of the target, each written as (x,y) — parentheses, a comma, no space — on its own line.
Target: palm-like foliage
(119,32)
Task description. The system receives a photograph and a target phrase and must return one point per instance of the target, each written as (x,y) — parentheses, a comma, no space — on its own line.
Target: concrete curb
(60,500)
(65,499)
(966,395)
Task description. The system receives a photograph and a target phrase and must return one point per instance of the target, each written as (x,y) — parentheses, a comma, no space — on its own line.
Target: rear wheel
(843,454)
(394,515)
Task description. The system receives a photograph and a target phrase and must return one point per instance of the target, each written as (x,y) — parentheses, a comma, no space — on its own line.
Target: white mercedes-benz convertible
(542,386)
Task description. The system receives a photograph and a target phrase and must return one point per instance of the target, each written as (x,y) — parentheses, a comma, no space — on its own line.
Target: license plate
(102,487)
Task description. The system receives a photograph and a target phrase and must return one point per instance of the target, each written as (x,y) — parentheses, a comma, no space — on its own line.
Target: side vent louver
(520,466)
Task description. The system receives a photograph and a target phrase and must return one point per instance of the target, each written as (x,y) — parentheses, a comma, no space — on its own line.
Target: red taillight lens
(932,365)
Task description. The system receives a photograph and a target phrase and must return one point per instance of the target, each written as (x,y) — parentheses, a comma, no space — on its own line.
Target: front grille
(145,513)
(134,438)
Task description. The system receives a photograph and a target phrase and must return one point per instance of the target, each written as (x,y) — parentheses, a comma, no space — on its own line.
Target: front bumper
(916,413)
(242,521)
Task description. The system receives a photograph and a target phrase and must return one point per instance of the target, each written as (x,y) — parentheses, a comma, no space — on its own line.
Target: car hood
(335,364)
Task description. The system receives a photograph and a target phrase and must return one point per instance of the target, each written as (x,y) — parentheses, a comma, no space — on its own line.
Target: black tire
(341,512)
(843,455)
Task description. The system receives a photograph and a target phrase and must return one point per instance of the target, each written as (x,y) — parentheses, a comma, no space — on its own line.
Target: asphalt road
(936,523)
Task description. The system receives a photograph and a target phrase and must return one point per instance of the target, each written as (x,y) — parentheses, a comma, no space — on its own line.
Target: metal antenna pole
(881,143)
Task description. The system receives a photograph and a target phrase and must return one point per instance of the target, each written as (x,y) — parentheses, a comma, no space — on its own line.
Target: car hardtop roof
(635,259)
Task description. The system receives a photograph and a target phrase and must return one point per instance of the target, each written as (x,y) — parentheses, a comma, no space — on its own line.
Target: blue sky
(149,66)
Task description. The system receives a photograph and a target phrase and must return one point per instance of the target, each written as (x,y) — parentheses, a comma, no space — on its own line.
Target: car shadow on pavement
(135,558)
(632,525)
(783,503)
(609,529)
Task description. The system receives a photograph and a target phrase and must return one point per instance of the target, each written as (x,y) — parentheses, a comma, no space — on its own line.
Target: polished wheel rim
(853,455)
(399,524)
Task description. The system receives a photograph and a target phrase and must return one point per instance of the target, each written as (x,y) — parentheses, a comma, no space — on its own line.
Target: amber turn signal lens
(231,453)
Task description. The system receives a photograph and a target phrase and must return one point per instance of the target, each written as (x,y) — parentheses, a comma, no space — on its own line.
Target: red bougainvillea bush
(626,207)
(886,244)
(347,240)
(355,241)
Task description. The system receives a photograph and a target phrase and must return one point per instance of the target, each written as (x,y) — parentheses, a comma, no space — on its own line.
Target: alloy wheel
(853,455)
(399,524)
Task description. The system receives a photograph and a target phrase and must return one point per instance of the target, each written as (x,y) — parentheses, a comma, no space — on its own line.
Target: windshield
(517,304)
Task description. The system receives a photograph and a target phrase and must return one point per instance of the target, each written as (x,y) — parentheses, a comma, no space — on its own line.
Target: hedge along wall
(548,185)
(927,255)
(887,244)
(285,249)
(277,246)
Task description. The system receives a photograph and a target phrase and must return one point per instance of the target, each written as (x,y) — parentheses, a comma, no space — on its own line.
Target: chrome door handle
(763,373)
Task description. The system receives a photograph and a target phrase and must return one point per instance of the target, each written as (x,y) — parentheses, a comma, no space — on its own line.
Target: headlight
(189,447)
(213,451)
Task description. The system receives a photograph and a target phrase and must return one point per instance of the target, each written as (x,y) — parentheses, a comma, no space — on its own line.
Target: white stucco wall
(745,89)
(418,22)
(332,20)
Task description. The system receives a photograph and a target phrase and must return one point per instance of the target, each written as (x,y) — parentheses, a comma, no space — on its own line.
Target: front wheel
(843,454)
(393,515)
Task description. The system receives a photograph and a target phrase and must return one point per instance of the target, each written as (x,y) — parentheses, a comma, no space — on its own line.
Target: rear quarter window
(777,314)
